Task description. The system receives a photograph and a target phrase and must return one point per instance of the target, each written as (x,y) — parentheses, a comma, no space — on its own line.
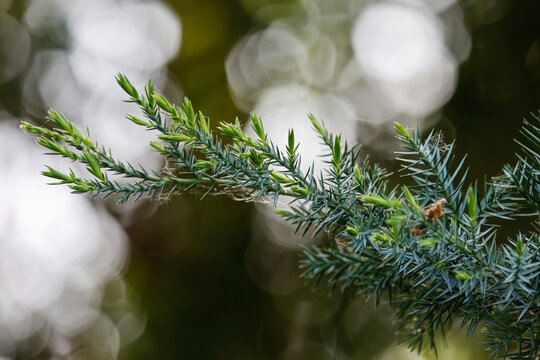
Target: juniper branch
(429,250)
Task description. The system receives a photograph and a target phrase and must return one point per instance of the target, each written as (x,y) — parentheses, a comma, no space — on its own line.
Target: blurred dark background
(218,279)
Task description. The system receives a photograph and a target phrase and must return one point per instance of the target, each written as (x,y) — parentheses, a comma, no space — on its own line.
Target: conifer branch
(429,250)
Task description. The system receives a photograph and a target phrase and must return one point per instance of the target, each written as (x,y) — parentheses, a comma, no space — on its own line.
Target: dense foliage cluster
(429,248)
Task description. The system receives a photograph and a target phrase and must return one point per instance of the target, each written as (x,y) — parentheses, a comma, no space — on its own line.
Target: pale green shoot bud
(257,126)
(172,137)
(283,212)
(125,84)
(163,103)
(318,126)
(401,130)
(160,148)
(336,153)
(381,238)
(281,178)
(81,187)
(137,121)
(410,199)
(471,205)
(358,175)
(300,191)
(203,164)
(93,166)
(463,276)
(354,231)
(377,200)
(428,242)
(204,123)
(55,174)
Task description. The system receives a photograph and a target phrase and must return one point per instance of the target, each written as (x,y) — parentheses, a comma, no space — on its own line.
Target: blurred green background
(203,277)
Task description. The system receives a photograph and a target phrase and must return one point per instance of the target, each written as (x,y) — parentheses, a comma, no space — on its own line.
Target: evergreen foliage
(429,249)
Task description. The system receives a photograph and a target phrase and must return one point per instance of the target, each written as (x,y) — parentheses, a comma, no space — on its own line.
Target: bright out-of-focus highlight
(62,256)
